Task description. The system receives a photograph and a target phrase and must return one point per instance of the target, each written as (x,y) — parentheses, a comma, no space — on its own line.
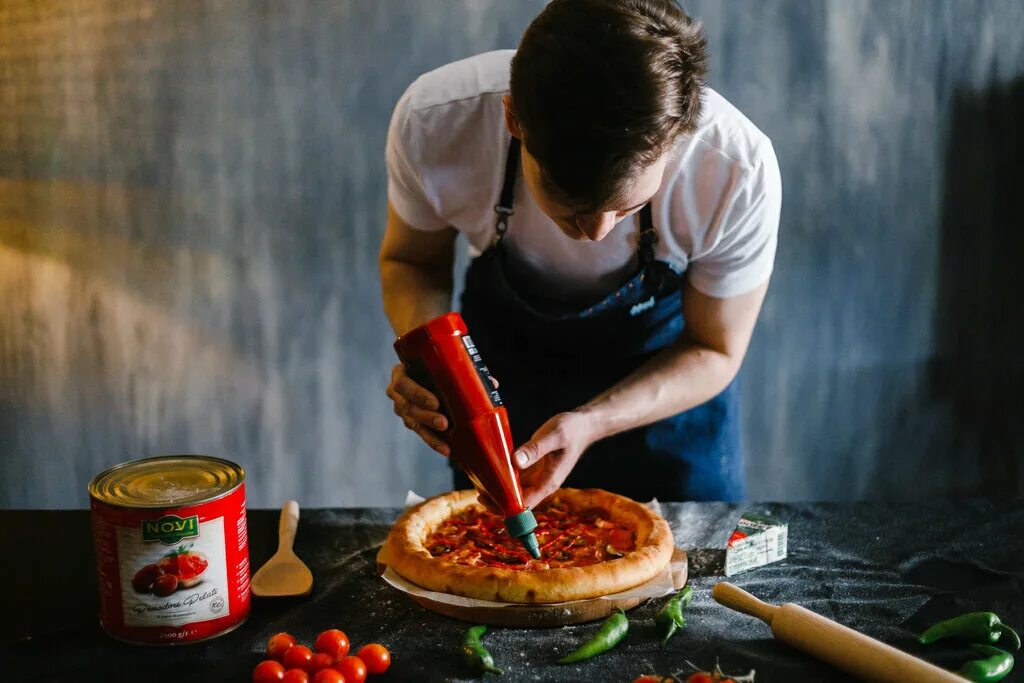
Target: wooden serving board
(546,616)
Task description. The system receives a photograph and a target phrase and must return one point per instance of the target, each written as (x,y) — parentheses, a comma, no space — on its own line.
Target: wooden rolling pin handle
(288,525)
(742,601)
(844,648)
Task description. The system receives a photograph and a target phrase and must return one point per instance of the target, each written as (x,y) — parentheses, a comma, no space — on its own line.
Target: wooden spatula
(842,647)
(284,574)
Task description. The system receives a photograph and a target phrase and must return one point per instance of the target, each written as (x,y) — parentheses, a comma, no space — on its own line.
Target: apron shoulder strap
(506,202)
(504,207)
(648,236)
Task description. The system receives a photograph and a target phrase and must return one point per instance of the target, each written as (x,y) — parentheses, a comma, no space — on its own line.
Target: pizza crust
(405,552)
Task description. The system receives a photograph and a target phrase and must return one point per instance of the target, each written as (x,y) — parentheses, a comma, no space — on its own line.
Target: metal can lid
(166,481)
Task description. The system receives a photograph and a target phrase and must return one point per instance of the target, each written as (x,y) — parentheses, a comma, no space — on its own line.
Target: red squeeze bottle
(442,357)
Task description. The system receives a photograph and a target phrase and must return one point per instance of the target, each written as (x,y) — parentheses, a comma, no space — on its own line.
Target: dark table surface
(885,569)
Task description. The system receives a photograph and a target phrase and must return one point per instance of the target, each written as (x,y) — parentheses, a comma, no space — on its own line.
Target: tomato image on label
(143,580)
(180,568)
(187,565)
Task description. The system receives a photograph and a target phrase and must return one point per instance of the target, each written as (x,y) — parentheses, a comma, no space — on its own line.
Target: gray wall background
(192,195)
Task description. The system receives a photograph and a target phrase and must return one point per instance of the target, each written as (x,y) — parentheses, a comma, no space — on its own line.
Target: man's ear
(510,118)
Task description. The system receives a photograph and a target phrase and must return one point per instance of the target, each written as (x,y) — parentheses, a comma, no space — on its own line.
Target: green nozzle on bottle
(521,526)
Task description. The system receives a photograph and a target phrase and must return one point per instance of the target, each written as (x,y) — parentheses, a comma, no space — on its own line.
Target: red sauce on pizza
(567,539)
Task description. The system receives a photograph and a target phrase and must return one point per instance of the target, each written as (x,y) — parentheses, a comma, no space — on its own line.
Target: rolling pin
(842,647)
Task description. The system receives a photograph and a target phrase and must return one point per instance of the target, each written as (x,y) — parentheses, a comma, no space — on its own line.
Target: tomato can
(172,549)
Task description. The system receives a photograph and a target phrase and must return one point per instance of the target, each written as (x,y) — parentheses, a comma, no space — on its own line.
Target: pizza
(592,543)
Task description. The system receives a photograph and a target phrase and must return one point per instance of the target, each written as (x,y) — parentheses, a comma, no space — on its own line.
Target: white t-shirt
(716,213)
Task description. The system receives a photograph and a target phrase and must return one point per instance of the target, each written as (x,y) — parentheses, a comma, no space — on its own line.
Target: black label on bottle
(481,370)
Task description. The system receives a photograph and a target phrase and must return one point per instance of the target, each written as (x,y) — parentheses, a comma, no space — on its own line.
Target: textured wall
(191,197)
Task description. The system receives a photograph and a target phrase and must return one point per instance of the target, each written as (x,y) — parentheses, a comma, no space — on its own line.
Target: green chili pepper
(980,627)
(612,631)
(475,655)
(670,618)
(993,668)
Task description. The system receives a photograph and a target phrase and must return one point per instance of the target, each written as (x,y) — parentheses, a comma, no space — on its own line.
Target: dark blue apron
(550,361)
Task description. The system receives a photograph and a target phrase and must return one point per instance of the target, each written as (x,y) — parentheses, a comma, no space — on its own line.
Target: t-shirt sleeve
(738,251)
(406,190)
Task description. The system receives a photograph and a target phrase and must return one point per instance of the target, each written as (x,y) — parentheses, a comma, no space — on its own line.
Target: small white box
(758,540)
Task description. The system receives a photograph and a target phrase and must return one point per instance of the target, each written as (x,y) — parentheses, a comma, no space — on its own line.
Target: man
(611,195)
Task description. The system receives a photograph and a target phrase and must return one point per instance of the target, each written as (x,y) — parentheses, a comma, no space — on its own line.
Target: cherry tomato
(295,676)
(352,668)
(376,658)
(328,676)
(268,671)
(652,678)
(297,657)
(278,643)
(332,642)
(321,660)
(705,677)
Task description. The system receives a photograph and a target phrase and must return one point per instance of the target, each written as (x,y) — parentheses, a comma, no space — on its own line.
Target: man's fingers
(427,417)
(428,435)
(404,408)
(535,496)
(431,439)
(400,405)
(415,393)
(418,409)
(536,448)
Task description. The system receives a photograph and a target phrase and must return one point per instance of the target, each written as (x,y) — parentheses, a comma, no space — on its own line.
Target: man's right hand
(418,409)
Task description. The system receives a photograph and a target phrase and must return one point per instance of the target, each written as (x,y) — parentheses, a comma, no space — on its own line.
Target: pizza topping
(567,539)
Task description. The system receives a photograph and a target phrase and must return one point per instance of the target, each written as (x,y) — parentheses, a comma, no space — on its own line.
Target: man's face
(591,226)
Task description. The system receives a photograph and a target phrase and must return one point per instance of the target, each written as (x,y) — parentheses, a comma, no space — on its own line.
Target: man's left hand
(549,456)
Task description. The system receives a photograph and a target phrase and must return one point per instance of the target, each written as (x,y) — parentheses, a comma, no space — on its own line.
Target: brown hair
(602,89)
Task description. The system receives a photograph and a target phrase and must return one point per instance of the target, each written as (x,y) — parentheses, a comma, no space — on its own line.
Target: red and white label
(174,574)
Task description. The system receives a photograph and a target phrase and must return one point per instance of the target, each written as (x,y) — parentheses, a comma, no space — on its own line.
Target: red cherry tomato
(297,657)
(268,671)
(321,660)
(295,676)
(332,642)
(352,668)
(376,658)
(278,643)
(328,676)
(705,677)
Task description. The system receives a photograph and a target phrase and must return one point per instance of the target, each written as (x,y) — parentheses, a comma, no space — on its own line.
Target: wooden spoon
(284,574)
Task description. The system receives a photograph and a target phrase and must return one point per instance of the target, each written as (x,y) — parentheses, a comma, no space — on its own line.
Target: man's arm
(697,368)
(691,371)
(416,282)
(415,273)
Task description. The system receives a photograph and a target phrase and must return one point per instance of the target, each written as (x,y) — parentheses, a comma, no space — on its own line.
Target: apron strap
(504,207)
(648,236)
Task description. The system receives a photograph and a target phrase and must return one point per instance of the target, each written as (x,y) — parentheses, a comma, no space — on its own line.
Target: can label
(172,575)
(185,584)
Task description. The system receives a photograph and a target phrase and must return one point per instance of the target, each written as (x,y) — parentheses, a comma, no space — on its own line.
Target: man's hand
(549,456)
(418,409)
